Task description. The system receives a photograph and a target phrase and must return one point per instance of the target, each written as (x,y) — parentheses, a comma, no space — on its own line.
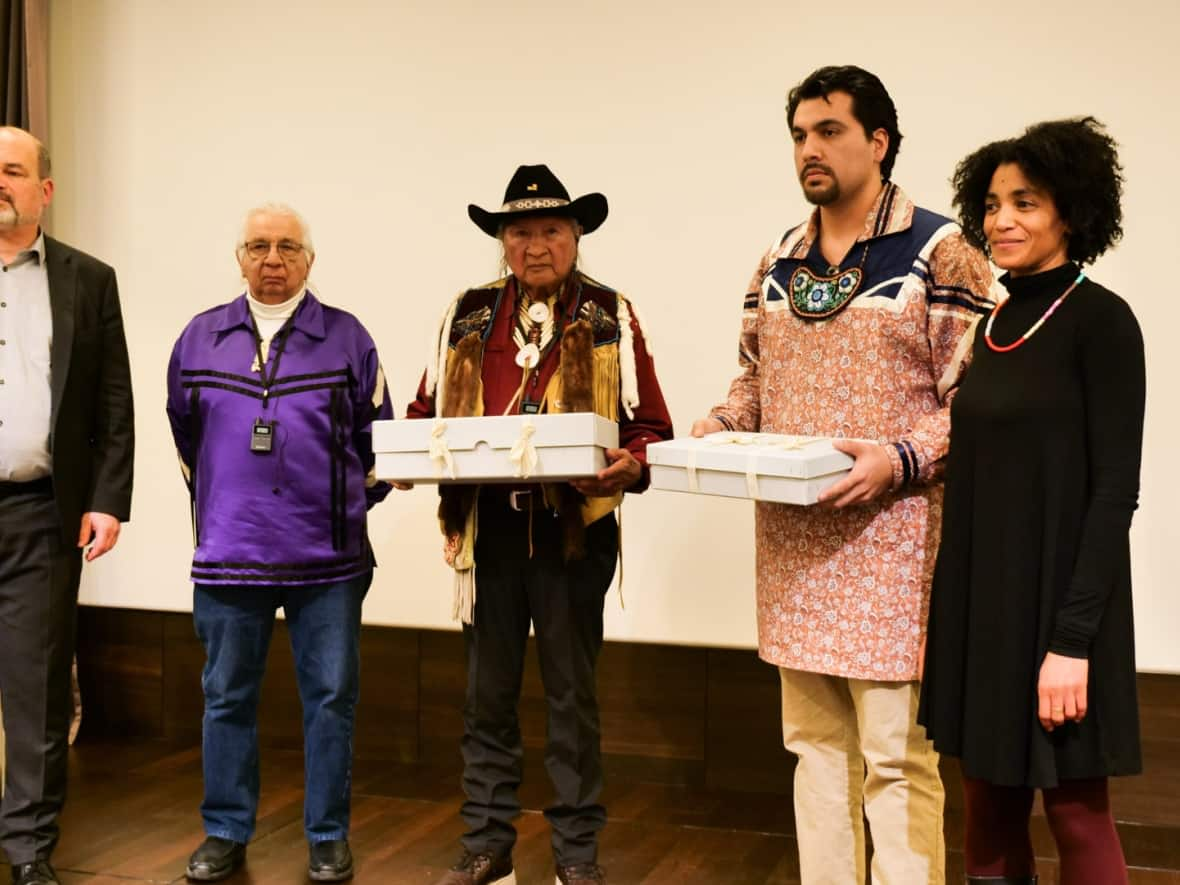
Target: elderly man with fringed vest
(544,338)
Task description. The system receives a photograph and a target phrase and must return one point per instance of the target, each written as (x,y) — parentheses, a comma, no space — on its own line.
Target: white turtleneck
(269,318)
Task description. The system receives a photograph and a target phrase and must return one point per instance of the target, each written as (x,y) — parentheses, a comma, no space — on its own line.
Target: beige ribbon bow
(524,453)
(439,451)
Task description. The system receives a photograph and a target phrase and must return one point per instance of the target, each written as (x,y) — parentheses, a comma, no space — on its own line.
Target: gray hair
(273,208)
(575,225)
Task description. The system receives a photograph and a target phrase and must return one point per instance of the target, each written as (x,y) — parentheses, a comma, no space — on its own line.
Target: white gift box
(509,448)
(762,466)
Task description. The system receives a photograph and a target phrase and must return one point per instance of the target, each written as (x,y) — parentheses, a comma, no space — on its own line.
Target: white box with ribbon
(762,466)
(508,448)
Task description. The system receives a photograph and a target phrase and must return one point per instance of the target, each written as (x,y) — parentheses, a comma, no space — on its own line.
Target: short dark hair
(871,104)
(1075,160)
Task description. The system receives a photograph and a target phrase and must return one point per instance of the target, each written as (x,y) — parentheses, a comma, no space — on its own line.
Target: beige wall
(380,121)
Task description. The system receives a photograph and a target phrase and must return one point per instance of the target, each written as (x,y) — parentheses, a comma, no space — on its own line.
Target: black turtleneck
(1028,298)
(1042,478)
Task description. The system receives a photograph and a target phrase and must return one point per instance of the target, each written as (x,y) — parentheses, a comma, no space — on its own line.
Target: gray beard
(9,217)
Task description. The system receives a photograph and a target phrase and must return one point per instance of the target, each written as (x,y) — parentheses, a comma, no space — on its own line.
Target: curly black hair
(1075,160)
(871,104)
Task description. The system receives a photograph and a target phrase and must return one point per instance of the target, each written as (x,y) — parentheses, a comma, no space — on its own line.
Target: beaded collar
(816,297)
(813,296)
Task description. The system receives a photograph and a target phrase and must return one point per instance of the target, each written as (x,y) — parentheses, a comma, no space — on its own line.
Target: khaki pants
(862,754)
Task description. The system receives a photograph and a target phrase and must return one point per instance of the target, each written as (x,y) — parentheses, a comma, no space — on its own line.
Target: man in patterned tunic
(857,327)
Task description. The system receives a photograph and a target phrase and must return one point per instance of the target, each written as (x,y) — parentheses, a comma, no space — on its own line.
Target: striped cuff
(904,458)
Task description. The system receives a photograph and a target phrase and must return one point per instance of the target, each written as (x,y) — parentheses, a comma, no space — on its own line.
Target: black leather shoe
(480,869)
(38,872)
(329,861)
(214,859)
(581,874)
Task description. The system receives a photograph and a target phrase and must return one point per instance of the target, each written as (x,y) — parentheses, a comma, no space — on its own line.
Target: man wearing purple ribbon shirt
(271,398)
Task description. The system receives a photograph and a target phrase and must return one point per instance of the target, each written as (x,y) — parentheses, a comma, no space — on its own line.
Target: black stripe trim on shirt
(959,302)
(212,373)
(305,578)
(886,209)
(966,293)
(276,566)
(257,394)
(197,385)
(913,456)
(333,385)
(334,474)
(255,382)
(340,433)
(905,464)
(308,376)
(194,433)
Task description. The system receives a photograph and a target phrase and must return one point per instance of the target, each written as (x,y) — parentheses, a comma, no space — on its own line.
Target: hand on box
(622,472)
(402,486)
(871,475)
(706,425)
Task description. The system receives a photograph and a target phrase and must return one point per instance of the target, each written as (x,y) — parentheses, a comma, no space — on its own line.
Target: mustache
(815,167)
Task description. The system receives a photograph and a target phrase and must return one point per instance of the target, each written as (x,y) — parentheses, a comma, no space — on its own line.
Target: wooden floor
(132,817)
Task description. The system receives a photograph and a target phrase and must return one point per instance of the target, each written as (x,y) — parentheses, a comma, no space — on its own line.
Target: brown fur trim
(464,398)
(577,367)
(573,529)
(577,395)
(463,381)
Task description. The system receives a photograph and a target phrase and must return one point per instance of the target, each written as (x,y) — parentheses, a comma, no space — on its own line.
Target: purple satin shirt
(294,515)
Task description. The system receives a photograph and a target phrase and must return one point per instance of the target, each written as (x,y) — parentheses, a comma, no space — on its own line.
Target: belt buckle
(516,496)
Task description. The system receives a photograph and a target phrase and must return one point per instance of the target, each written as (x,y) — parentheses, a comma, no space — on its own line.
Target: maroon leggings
(1078,812)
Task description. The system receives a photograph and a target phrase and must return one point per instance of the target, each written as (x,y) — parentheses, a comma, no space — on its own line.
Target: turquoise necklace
(816,297)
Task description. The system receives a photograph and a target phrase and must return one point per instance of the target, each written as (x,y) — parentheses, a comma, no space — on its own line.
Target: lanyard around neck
(281,337)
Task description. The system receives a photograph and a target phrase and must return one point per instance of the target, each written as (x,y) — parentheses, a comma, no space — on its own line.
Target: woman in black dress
(1030,663)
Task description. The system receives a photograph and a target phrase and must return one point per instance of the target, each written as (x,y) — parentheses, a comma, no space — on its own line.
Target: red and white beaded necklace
(1004,348)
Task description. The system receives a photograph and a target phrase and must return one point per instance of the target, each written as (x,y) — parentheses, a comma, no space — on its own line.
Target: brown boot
(581,874)
(480,869)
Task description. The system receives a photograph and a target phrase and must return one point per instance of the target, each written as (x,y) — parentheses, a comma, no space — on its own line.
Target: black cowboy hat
(534,190)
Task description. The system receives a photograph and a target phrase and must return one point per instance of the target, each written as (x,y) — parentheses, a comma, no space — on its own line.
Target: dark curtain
(14,64)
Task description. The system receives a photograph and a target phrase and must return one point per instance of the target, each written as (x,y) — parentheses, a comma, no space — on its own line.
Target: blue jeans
(235,625)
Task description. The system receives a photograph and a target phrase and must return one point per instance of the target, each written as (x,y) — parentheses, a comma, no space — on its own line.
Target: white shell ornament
(538,311)
(528,355)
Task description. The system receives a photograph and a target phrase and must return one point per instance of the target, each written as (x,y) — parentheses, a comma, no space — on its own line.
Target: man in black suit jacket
(66,446)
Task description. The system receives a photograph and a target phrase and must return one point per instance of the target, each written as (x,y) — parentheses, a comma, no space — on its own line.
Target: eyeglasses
(289,250)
